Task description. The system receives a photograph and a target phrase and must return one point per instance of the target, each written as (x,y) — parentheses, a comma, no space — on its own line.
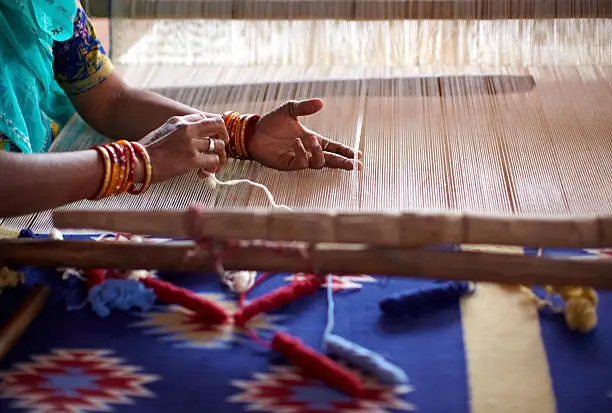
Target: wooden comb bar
(323,259)
(408,229)
(351,9)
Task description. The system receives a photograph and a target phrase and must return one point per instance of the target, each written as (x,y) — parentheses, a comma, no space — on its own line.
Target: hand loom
(481,122)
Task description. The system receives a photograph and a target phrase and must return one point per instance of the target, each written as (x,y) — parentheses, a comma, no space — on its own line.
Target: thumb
(304,107)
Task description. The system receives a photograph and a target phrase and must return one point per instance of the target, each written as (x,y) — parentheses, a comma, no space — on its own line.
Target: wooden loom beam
(322,259)
(351,9)
(12,329)
(409,229)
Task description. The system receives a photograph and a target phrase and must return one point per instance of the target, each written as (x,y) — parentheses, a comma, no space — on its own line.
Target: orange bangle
(119,160)
(131,170)
(140,150)
(227,118)
(240,129)
(107,173)
(123,166)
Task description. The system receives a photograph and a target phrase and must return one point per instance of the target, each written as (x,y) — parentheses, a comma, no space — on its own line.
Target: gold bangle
(243,150)
(114,170)
(107,172)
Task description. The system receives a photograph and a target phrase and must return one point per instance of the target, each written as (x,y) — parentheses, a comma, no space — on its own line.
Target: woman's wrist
(240,128)
(126,165)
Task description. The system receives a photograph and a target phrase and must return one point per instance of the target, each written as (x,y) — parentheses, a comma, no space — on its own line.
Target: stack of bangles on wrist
(240,128)
(120,161)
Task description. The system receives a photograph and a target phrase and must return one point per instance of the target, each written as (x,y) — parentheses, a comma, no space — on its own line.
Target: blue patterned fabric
(49,51)
(165,361)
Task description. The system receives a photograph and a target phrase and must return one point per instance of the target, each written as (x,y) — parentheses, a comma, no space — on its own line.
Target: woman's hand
(281,142)
(185,143)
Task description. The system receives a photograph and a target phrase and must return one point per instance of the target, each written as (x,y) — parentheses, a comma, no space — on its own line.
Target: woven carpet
(489,353)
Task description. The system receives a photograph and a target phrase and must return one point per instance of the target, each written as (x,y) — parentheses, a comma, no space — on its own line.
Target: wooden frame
(351,9)
(409,229)
(393,244)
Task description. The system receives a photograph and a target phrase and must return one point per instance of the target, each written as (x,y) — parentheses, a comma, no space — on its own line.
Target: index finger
(212,127)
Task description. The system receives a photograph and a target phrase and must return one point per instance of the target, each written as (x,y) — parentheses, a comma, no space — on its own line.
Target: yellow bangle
(243,124)
(114,174)
(107,172)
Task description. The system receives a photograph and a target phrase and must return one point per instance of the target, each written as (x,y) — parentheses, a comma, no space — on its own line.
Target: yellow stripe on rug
(8,232)
(507,364)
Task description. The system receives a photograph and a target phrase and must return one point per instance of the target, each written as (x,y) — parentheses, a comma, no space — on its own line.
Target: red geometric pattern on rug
(73,381)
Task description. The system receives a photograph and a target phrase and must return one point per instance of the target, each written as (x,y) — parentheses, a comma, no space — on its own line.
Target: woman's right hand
(185,143)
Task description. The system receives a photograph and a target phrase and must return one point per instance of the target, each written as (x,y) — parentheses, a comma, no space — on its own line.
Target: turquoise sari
(32,103)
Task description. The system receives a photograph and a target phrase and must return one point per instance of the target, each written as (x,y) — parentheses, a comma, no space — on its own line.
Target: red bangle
(240,128)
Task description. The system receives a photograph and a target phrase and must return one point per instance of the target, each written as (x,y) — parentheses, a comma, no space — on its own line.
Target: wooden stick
(351,9)
(323,259)
(375,229)
(15,326)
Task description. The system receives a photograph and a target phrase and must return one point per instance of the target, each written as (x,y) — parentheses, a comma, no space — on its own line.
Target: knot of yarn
(119,294)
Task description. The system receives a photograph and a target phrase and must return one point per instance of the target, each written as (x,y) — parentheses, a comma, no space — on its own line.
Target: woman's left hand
(281,142)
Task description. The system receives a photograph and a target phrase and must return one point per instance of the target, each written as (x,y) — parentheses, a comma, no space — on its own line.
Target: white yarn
(72,272)
(238,281)
(213,181)
(56,235)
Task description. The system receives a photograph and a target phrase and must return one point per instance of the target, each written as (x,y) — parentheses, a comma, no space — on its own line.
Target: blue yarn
(26,233)
(330,311)
(118,294)
(70,290)
(416,302)
(365,359)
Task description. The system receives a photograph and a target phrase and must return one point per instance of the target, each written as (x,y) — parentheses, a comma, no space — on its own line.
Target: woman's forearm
(138,112)
(119,111)
(32,183)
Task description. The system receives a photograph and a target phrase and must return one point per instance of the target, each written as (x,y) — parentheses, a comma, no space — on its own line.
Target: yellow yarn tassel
(9,278)
(580,309)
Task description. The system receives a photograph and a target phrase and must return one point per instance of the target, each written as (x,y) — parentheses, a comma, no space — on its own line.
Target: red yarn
(317,365)
(277,298)
(95,277)
(171,294)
